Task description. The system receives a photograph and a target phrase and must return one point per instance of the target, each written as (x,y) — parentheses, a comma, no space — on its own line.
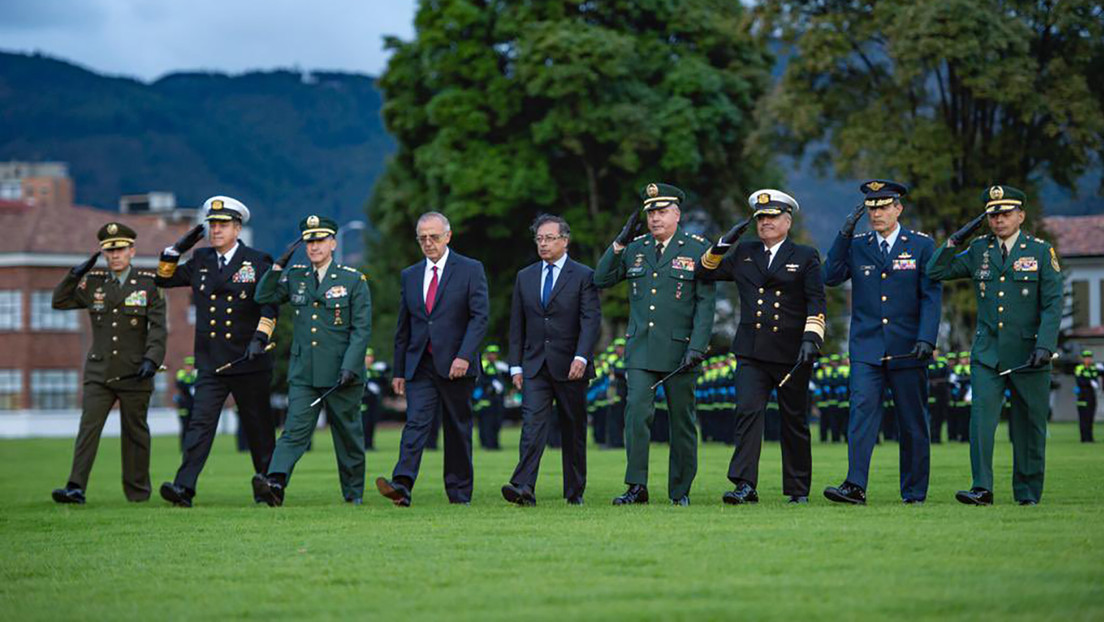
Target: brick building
(42,350)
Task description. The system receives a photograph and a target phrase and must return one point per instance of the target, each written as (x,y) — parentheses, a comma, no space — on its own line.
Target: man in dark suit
(555,319)
(894,324)
(231,337)
(782,310)
(443,310)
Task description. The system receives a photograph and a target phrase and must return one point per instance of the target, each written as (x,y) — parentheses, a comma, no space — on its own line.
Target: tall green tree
(503,110)
(948,95)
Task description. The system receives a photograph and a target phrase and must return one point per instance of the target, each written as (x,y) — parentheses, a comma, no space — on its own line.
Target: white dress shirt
(772,251)
(890,240)
(229,255)
(428,275)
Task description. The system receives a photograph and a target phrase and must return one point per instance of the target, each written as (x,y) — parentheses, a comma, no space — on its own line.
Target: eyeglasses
(547,238)
(435,237)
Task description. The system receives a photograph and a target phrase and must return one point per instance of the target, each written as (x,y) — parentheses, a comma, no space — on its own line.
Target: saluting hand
(628,232)
(189,240)
(282,260)
(83,268)
(853,219)
(958,237)
(730,238)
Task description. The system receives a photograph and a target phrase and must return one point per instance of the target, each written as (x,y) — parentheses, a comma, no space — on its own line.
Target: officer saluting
(670,322)
(782,310)
(127,314)
(333,323)
(1018,286)
(230,328)
(895,313)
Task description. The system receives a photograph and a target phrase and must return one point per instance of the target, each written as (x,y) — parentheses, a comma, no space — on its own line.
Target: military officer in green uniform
(127,314)
(670,321)
(1018,287)
(332,325)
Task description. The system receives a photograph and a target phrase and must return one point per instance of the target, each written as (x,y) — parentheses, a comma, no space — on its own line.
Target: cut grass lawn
(320,558)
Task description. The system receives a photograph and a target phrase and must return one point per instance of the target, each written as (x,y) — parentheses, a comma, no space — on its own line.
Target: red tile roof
(1077,236)
(72,229)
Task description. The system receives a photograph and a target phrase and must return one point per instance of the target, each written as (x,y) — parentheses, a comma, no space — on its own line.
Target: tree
(950,96)
(502,110)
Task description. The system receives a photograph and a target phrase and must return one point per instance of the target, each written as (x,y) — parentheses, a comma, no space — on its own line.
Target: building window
(1080,304)
(11,309)
(11,385)
(160,386)
(45,317)
(54,389)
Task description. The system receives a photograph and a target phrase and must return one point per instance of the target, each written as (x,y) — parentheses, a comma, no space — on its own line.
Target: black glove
(346,378)
(147,370)
(629,232)
(256,346)
(286,257)
(692,358)
(922,351)
(730,238)
(1039,358)
(189,240)
(83,268)
(808,353)
(853,219)
(958,237)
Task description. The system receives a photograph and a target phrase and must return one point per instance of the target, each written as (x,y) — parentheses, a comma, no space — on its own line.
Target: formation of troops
(657,383)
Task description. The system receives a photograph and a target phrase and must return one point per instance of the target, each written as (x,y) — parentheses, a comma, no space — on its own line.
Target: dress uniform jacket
(128,323)
(894,302)
(670,308)
(226,315)
(332,322)
(779,305)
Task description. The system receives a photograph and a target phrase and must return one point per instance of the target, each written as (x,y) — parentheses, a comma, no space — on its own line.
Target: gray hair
(438,215)
(544,219)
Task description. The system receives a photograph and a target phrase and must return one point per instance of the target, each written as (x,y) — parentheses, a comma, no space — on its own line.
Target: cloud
(149,39)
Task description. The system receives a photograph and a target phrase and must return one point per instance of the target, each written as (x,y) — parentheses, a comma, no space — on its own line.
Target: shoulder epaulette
(921,233)
(347,268)
(699,238)
(147,273)
(97,273)
(857,235)
(640,237)
(299,265)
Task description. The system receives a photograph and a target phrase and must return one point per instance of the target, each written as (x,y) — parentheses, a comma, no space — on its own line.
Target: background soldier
(939,394)
(231,334)
(375,379)
(782,310)
(332,325)
(670,322)
(127,314)
(1018,287)
(185,395)
(1087,375)
(490,390)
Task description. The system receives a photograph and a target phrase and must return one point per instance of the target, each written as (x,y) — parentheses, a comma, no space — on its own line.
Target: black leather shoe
(578,500)
(177,495)
(258,482)
(743,493)
(634,495)
(912,501)
(1021,502)
(683,501)
(519,495)
(397,493)
(272,492)
(846,493)
(68,495)
(975,496)
(798,499)
(354,500)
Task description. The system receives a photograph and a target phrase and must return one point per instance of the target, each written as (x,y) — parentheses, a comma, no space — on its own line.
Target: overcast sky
(149,38)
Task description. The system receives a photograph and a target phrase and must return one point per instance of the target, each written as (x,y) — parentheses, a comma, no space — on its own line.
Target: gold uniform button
(1000,324)
(885,276)
(1000,309)
(774,329)
(759,313)
(761,290)
(314,329)
(777,292)
(212,296)
(114,352)
(229,310)
(651,324)
(212,322)
(1002,279)
(760,301)
(314,316)
(229,299)
(227,322)
(776,305)
(114,324)
(885,320)
(212,335)
(1000,294)
(114,337)
(885,298)
(212,309)
(651,307)
(655,275)
(314,343)
(776,316)
(114,310)
(316,304)
(653,291)
(227,335)
(758,326)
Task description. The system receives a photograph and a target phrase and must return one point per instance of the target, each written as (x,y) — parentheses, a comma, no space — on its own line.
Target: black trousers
(426,394)
(1085,415)
(537,413)
(754,382)
(252,394)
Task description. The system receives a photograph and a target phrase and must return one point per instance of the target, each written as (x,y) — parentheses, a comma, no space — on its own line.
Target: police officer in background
(127,314)
(939,394)
(231,335)
(1018,287)
(185,395)
(375,380)
(782,309)
(1087,375)
(670,323)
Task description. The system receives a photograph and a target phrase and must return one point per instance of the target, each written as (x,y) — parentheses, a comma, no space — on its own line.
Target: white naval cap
(771,202)
(225,208)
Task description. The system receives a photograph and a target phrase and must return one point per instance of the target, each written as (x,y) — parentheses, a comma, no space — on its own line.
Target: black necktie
(222,262)
(885,250)
(316,281)
(1004,251)
(659,250)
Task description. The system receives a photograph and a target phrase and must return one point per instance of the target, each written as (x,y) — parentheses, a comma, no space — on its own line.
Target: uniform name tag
(635,271)
(792,267)
(136,299)
(1026,264)
(337,291)
(298,299)
(683,263)
(904,264)
(245,274)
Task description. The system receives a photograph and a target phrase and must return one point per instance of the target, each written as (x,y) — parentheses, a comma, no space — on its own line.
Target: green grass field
(320,558)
